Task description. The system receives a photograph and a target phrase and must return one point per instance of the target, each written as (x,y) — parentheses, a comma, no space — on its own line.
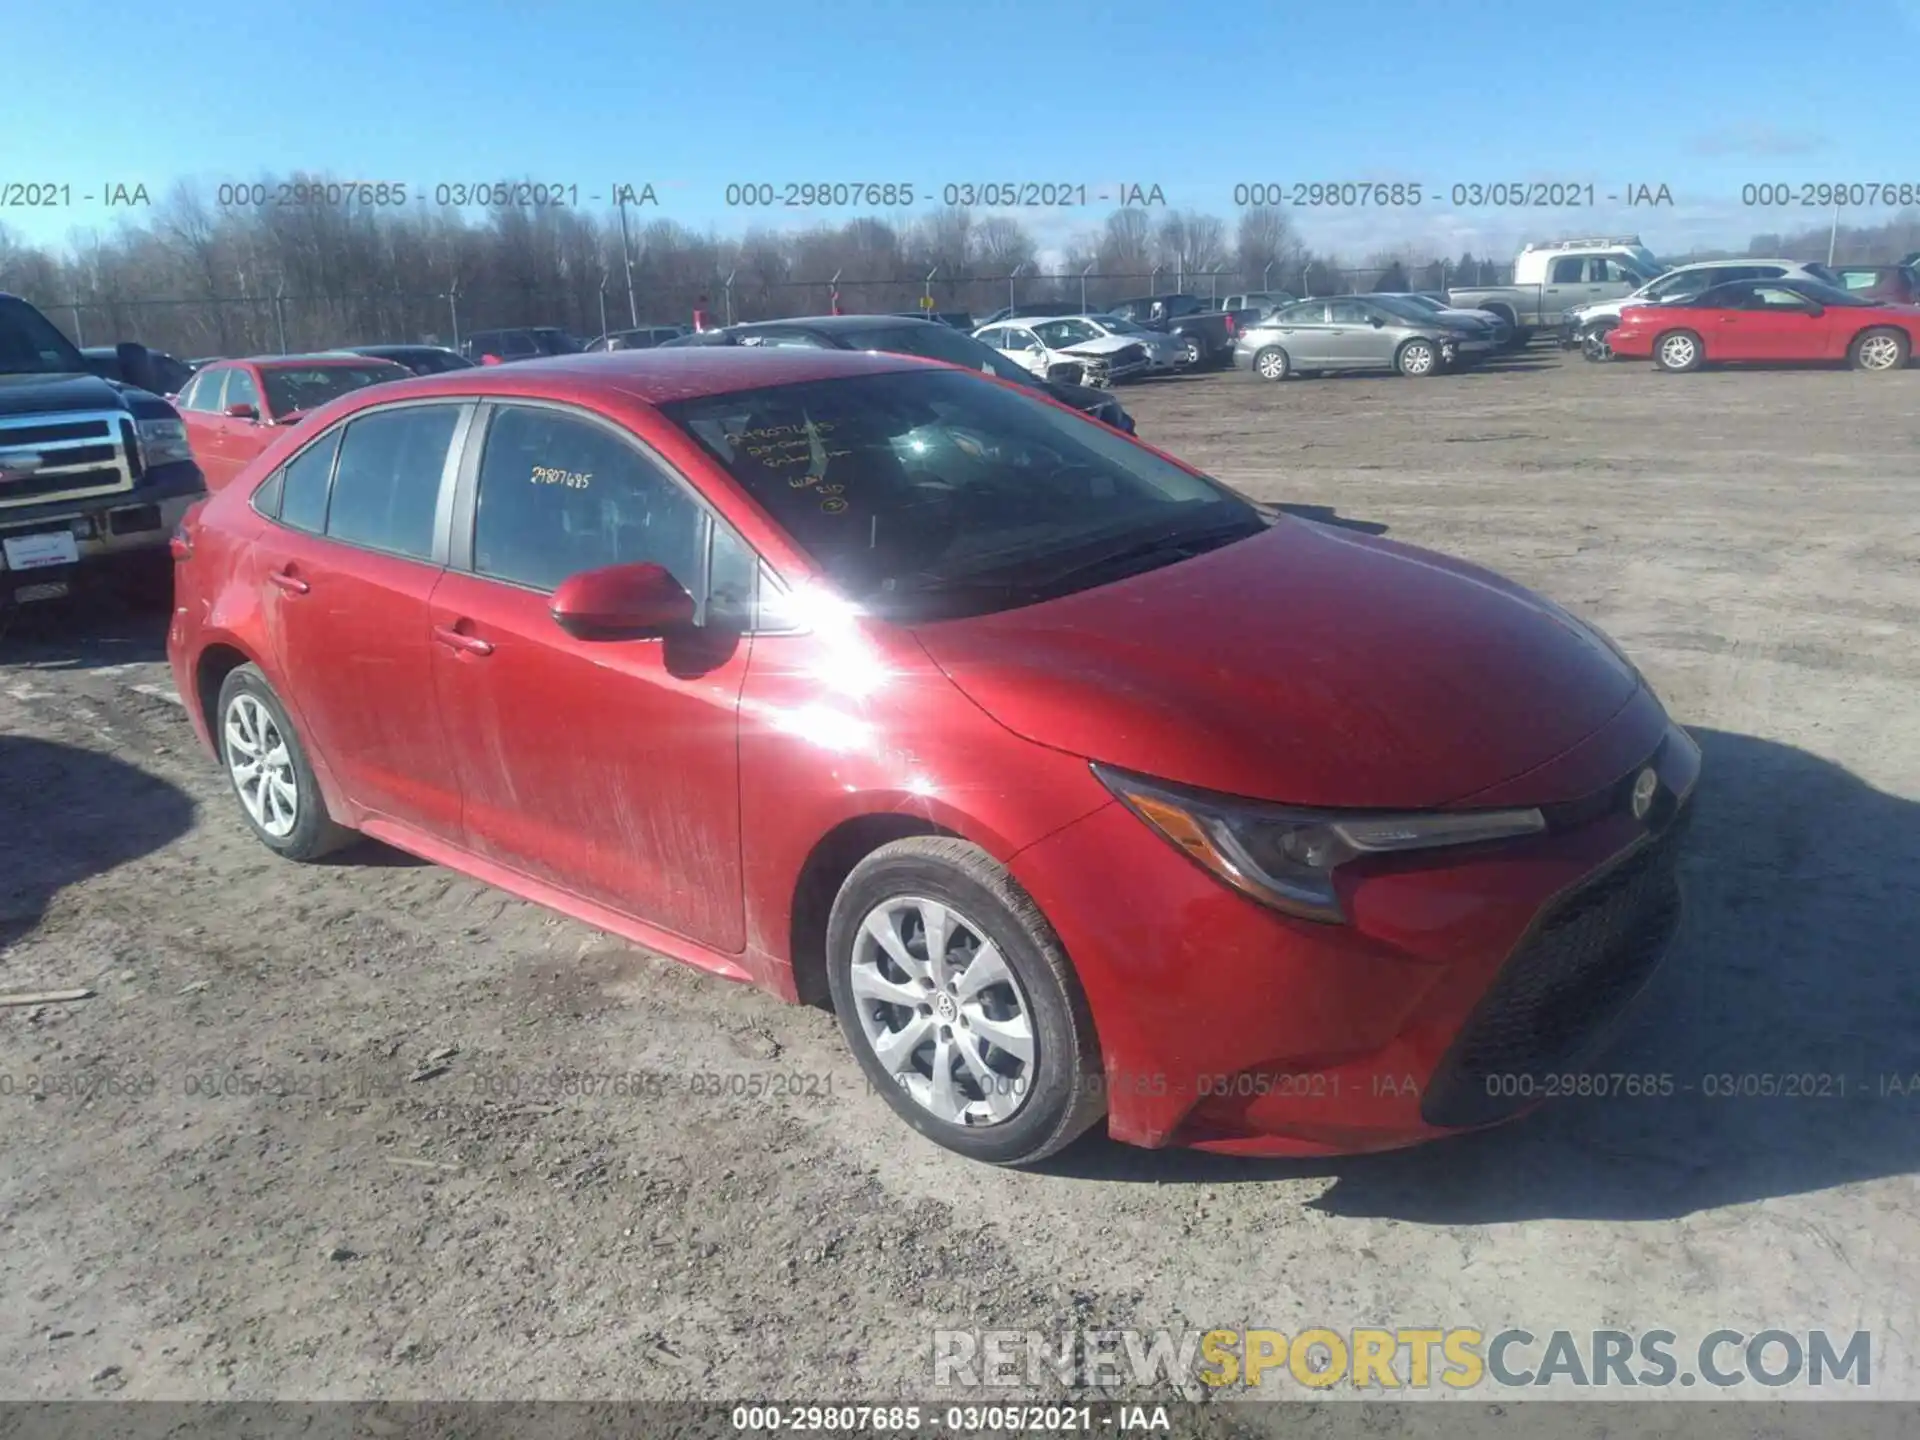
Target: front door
(608,768)
(344,577)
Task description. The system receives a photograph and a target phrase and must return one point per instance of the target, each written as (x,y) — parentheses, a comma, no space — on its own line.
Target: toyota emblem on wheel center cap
(1644,784)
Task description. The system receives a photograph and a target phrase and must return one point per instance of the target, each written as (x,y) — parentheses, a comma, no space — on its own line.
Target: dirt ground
(319,1153)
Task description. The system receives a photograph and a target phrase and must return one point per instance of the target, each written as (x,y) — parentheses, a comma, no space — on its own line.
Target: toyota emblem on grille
(1644,784)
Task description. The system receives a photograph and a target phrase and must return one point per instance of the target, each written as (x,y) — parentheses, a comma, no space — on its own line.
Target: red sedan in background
(1769,320)
(1083,787)
(234,409)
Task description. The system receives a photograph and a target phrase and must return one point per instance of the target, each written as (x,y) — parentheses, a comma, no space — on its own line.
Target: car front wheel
(1678,351)
(1878,350)
(268,769)
(960,1004)
(1418,358)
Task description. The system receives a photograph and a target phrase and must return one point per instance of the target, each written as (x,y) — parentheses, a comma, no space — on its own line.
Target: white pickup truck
(1551,279)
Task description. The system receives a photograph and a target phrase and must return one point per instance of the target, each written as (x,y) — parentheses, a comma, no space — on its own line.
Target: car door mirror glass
(243,411)
(622,602)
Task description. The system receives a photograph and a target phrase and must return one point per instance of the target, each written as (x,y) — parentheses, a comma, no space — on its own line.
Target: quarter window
(560,495)
(386,487)
(303,493)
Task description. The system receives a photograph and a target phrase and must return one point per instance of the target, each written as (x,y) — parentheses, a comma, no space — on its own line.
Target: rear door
(200,411)
(360,538)
(1564,287)
(607,768)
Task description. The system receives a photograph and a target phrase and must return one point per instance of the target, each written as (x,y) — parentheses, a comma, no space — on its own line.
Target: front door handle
(289,582)
(456,640)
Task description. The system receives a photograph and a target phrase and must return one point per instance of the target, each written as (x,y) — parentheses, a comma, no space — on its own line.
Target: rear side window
(560,495)
(241,390)
(303,491)
(386,488)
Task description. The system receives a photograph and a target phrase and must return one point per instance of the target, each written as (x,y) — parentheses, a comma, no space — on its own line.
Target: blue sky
(1195,97)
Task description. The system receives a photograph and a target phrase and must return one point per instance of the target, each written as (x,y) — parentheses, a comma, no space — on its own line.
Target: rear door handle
(455,640)
(289,582)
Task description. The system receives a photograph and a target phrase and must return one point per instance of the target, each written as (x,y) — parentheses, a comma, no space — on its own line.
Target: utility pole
(626,255)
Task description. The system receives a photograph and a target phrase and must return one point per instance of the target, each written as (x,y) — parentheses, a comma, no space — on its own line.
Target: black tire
(1679,351)
(315,833)
(1064,1094)
(1901,350)
(1410,353)
(1272,363)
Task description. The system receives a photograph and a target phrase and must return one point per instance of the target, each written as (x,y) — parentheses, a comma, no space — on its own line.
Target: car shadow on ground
(87,632)
(1785,1016)
(110,812)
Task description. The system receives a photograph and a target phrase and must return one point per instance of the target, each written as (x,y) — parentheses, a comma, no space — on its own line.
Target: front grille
(46,457)
(1584,960)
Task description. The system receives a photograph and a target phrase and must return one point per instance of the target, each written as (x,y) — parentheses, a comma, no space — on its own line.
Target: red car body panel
(1736,336)
(676,792)
(224,445)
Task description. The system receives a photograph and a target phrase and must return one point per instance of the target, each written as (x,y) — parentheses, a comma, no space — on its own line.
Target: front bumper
(1228,1026)
(111,533)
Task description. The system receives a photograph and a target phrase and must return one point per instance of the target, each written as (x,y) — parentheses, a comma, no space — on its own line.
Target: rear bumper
(112,534)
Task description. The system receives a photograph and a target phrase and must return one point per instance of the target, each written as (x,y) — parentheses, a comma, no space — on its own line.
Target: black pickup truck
(94,473)
(1209,334)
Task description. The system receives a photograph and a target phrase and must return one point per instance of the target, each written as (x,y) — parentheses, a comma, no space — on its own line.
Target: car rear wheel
(269,771)
(1272,363)
(960,1004)
(1417,358)
(1678,351)
(1877,350)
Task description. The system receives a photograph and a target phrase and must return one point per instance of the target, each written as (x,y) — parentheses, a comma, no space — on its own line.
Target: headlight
(162,442)
(1286,858)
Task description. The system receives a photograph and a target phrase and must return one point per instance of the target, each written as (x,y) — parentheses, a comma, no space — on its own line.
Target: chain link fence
(279,323)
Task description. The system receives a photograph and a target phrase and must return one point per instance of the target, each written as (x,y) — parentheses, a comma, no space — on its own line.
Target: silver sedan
(1351,333)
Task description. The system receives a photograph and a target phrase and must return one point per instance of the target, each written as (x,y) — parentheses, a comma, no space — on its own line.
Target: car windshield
(555,342)
(1405,306)
(30,345)
(1120,325)
(938,342)
(1424,302)
(293,388)
(926,494)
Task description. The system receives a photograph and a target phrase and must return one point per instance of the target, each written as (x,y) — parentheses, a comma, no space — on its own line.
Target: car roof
(320,357)
(395,349)
(829,324)
(1740,260)
(660,377)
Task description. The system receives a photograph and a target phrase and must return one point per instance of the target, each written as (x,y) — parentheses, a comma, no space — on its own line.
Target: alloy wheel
(1879,352)
(1677,351)
(942,1011)
(1417,358)
(1192,345)
(261,766)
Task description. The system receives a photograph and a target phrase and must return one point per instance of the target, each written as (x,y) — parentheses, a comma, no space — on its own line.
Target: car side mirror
(1377,323)
(1816,309)
(622,602)
(242,411)
(136,364)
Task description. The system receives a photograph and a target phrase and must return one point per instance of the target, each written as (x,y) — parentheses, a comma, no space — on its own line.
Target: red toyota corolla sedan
(1080,786)
(1769,320)
(234,409)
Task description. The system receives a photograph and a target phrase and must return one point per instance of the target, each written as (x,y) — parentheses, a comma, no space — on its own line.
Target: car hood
(21,394)
(1105,345)
(1308,665)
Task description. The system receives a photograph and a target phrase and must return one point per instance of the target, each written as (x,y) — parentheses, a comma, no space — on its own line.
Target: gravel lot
(363,1214)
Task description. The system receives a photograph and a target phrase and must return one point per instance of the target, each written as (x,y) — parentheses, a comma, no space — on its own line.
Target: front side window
(1349,312)
(1307,312)
(386,487)
(560,495)
(241,391)
(919,492)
